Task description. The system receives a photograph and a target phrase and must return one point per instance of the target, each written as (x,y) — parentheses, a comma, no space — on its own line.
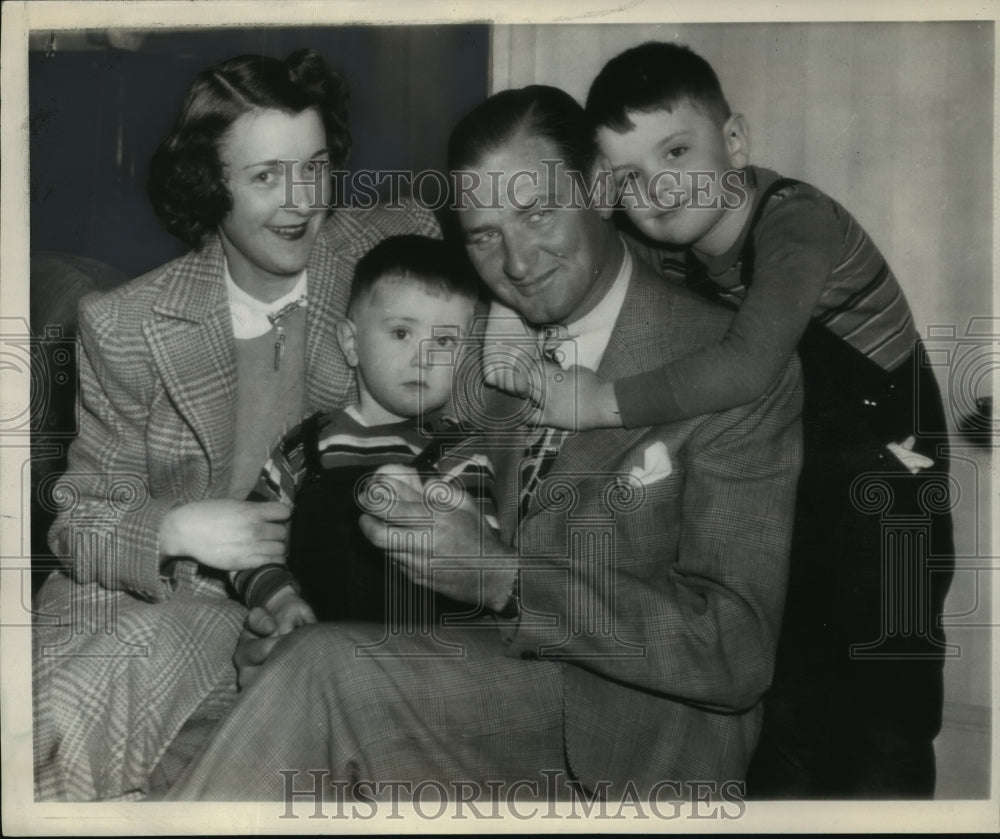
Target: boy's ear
(347,336)
(737,131)
(604,193)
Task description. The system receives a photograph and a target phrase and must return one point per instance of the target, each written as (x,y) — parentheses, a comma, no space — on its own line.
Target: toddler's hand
(289,610)
(259,635)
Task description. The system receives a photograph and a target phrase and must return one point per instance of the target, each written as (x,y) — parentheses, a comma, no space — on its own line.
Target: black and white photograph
(435,418)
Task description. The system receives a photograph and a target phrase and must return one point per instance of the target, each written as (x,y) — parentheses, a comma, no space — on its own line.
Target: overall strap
(310,442)
(696,275)
(747,254)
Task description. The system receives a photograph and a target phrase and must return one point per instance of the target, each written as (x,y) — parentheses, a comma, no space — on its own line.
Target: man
(634,594)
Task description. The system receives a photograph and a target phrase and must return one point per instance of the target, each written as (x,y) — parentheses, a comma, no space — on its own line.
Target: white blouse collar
(250,315)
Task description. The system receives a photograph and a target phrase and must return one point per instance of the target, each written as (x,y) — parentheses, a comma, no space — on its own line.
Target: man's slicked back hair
(536,110)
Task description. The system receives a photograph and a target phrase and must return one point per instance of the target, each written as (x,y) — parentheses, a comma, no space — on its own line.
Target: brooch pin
(275,319)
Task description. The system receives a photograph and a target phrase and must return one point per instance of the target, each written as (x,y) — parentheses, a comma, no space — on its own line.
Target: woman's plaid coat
(125,652)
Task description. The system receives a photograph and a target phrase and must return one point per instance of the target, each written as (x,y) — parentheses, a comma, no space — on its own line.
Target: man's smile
(530,286)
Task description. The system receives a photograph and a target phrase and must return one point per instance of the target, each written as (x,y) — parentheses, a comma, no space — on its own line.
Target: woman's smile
(292,232)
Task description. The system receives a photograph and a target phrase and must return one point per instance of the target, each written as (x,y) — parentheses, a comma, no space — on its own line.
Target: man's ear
(737,131)
(604,183)
(347,336)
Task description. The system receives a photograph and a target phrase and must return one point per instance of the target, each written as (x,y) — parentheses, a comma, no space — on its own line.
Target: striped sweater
(812,260)
(343,442)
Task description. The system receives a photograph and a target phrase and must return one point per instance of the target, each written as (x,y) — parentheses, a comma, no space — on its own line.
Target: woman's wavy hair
(187,183)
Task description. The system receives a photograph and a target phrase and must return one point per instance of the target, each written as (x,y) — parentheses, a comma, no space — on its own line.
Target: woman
(188,375)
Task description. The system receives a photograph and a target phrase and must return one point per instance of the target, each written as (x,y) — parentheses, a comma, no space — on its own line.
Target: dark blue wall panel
(97,115)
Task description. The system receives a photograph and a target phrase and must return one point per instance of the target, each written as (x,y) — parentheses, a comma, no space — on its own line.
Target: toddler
(409,310)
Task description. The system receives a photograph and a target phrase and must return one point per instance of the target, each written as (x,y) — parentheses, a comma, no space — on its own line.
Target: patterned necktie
(539,457)
(552,339)
(540,454)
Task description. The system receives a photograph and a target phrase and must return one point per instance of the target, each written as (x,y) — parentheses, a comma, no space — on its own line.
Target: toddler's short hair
(651,77)
(430,262)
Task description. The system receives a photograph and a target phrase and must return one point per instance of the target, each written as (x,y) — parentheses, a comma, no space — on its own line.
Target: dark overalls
(343,576)
(857,692)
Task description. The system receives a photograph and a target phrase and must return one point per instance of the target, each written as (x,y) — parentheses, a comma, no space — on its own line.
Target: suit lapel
(190,337)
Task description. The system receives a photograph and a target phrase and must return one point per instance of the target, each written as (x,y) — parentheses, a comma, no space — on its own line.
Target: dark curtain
(98,113)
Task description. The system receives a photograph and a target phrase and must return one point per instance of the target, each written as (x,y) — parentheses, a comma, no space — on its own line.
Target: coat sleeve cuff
(137,565)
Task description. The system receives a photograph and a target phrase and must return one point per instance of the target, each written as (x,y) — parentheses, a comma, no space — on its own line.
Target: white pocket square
(656,465)
(914,461)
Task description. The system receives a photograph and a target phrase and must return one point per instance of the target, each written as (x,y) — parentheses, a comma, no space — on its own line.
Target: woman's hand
(226,534)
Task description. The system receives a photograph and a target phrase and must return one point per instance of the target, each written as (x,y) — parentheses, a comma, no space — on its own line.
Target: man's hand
(479,568)
(226,534)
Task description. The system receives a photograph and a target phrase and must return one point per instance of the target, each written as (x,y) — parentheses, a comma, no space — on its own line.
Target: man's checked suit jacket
(662,594)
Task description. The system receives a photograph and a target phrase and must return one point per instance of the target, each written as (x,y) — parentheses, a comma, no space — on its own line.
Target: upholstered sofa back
(58,281)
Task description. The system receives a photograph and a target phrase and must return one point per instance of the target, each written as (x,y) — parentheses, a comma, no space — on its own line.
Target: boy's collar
(431,420)
(759,180)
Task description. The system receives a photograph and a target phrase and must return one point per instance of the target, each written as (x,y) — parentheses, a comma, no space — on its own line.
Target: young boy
(409,309)
(856,700)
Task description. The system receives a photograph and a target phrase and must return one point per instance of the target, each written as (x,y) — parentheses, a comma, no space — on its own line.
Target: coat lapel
(630,350)
(190,337)
(329,381)
(508,483)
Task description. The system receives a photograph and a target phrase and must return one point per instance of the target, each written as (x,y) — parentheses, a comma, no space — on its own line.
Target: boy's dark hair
(651,77)
(537,109)
(186,178)
(430,262)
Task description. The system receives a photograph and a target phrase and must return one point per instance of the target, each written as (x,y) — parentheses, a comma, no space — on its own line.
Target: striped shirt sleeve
(279,480)
(797,245)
